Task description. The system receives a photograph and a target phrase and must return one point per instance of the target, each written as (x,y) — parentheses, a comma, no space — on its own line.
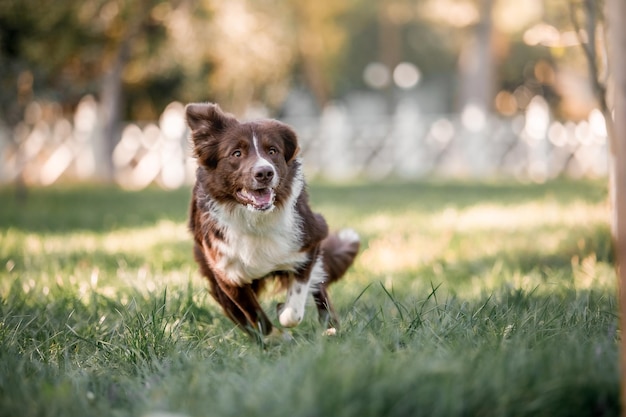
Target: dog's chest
(254,247)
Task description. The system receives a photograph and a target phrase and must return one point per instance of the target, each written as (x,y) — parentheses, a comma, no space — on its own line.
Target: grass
(468,299)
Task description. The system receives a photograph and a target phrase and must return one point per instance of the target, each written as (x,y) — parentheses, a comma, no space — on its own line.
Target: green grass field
(468,299)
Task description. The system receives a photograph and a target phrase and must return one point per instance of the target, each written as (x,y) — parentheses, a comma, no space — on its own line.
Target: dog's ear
(290,141)
(207,123)
(207,117)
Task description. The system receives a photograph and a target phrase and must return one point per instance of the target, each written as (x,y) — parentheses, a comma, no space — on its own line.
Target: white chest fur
(251,251)
(258,243)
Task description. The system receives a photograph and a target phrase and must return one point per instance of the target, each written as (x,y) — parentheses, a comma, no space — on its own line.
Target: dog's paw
(289,316)
(331,331)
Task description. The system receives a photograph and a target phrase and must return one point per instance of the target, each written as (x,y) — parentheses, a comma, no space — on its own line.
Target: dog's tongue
(262,198)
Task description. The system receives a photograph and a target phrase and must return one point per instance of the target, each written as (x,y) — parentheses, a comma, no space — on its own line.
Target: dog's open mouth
(261,199)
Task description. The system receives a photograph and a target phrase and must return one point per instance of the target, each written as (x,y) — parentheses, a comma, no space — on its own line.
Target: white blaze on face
(260,161)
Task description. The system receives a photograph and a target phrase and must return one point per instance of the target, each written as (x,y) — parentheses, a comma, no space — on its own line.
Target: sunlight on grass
(410,241)
(134,240)
(79,258)
(487,217)
(396,252)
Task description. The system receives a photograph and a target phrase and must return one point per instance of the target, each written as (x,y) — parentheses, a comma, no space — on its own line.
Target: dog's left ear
(290,141)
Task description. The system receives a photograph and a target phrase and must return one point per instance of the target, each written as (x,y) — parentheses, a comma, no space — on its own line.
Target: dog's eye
(272,151)
(236,154)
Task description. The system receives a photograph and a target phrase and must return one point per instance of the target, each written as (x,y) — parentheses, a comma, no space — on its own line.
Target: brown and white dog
(251,220)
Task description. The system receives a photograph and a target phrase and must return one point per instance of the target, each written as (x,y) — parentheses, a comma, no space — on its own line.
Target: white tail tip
(349,235)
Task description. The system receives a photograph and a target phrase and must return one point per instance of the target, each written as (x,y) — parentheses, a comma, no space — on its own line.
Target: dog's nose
(264,174)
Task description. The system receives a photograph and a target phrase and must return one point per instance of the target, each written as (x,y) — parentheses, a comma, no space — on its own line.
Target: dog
(251,221)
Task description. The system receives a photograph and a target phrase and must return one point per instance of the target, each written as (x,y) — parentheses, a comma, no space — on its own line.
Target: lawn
(468,299)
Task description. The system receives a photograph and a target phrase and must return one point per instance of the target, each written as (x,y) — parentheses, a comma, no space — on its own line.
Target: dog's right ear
(207,122)
(207,117)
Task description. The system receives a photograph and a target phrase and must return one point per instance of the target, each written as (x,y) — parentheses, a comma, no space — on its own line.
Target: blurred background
(95,90)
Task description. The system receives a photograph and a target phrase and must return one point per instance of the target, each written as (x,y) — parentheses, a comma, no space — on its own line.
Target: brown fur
(226,165)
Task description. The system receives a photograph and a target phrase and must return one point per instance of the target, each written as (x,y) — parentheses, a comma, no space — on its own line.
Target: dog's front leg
(238,302)
(243,307)
(290,313)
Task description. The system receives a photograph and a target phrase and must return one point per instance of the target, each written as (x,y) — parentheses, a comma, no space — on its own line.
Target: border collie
(251,221)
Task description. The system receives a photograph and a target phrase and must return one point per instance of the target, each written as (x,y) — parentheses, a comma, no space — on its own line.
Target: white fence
(47,148)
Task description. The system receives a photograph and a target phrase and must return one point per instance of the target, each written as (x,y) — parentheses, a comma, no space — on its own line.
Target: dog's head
(250,163)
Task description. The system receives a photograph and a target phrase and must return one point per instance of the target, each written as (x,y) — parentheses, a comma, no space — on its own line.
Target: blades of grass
(81,338)
(398,305)
(433,292)
(358,297)
(481,308)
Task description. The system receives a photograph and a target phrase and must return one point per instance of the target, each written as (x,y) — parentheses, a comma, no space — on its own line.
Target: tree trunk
(314,77)
(389,49)
(111,97)
(110,114)
(476,63)
(615,11)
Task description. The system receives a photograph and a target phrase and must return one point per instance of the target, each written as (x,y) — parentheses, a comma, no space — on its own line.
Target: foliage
(468,299)
(242,51)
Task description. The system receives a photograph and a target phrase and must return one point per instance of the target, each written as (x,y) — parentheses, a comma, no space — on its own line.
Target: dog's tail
(338,252)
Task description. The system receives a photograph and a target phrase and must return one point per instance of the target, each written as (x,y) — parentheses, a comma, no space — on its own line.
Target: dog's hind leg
(338,253)
(326,312)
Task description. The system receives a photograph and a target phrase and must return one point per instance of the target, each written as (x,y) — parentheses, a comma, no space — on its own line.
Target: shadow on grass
(104,208)
(97,208)
(435,195)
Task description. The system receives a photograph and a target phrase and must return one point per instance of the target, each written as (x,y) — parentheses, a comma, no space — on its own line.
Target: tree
(320,38)
(61,51)
(129,19)
(250,51)
(29,31)
(615,11)
(612,103)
